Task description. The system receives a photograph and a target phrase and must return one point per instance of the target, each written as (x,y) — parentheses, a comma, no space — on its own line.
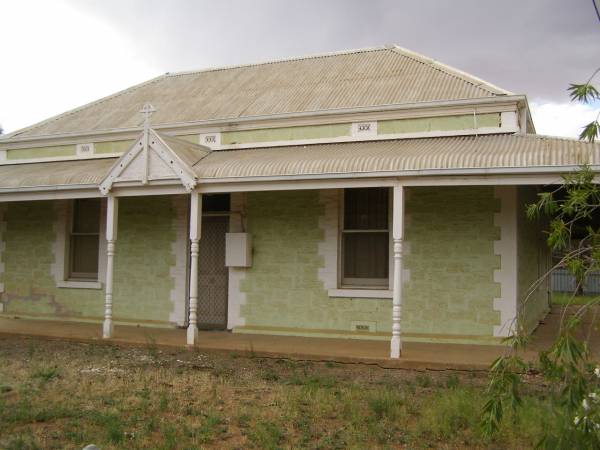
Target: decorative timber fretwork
(155,157)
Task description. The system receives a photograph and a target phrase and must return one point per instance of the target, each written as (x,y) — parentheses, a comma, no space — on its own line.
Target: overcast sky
(59,54)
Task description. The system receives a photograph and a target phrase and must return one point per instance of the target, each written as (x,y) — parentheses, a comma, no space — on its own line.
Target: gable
(152,159)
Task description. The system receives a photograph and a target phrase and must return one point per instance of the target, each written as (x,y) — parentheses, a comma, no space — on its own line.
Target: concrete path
(414,355)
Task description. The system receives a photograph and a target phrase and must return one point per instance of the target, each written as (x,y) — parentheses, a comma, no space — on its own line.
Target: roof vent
(364,129)
(85,149)
(211,140)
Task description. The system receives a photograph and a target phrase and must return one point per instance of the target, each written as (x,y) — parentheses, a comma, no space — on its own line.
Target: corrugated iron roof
(461,152)
(56,173)
(444,153)
(358,78)
(188,152)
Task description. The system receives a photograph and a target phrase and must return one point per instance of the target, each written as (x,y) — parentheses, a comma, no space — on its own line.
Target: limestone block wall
(143,282)
(450,293)
(149,284)
(448,297)
(284,294)
(29,284)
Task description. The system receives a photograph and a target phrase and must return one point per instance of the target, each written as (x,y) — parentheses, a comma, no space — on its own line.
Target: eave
(379,112)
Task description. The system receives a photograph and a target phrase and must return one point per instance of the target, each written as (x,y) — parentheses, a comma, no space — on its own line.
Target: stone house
(366,194)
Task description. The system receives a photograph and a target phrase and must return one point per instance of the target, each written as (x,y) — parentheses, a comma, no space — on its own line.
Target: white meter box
(238,250)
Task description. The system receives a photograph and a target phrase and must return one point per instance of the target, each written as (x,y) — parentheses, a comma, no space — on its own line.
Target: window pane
(84,256)
(365,255)
(86,216)
(366,209)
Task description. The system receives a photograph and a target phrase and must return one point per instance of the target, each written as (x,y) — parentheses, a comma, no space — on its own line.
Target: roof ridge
(281,60)
(82,107)
(452,71)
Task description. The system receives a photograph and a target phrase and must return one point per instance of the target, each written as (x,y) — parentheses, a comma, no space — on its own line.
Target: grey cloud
(535,47)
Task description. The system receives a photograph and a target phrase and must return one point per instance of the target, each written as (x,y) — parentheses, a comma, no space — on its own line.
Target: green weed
(266,435)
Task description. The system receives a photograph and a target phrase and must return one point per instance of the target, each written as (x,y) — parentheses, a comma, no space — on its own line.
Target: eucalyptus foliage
(567,367)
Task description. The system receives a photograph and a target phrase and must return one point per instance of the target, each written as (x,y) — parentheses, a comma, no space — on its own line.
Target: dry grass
(66,395)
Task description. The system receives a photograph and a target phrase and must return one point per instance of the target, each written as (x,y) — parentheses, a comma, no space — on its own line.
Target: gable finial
(147,111)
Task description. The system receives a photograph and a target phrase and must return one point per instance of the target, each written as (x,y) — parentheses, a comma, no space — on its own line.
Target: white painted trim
(204,137)
(58,268)
(149,189)
(398,227)
(369,138)
(149,142)
(341,183)
(360,293)
(357,131)
(329,200)
(84,149)
(60,248)
(9,162)
(179,250)
(507,126)
(357,114)
(112,226)
(195,235)
(79,284)
(235,296)
(331,181)
(506,248)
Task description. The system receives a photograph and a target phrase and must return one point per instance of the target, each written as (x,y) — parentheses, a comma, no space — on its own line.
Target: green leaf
(583,92)
(590,131)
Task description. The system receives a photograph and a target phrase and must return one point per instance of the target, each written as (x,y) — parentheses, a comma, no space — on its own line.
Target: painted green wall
(113,147)
(532,261)
(451,260)
(282,286)
(41,152)
(29,285)
(286,134)
(143,259)
(445,123)
(142,281)
(67,150)
(193,138)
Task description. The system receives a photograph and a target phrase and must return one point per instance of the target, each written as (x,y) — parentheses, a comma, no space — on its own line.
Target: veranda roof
(57,173)
(403,155)
(471,154)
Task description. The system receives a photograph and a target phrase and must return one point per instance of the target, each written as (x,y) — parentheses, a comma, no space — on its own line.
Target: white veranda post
(112,217)
(195,232)
(398,236)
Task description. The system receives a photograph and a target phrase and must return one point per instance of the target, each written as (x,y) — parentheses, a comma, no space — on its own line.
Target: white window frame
(62,249)
(369,289)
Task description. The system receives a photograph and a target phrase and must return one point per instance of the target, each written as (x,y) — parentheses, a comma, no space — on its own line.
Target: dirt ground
(64,395)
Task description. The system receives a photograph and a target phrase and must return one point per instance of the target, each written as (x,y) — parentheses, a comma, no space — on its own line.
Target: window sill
(79,284)
(360,293)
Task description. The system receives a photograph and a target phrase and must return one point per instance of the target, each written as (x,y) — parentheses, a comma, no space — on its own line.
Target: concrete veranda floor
(414,355)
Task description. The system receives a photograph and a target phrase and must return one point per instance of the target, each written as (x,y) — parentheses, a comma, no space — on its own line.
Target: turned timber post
(195,232)
(398,236)
(112,218)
